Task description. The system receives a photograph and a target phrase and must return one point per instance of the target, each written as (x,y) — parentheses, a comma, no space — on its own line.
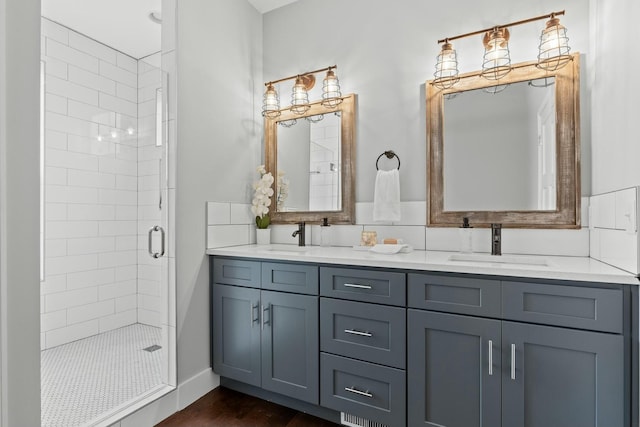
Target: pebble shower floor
(86,378)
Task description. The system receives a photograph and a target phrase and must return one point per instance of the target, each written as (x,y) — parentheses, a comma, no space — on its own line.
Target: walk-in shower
(106,331)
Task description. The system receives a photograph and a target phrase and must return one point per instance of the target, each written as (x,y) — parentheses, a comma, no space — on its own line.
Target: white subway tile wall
(229,224)
(411,228)
(98,152)
(613,227)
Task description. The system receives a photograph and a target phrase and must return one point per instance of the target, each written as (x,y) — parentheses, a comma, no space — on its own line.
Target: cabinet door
(555,377)
(290,345)
(236,333)
(454,370)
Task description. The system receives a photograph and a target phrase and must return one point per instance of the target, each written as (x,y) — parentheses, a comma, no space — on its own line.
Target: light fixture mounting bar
(511,24)
(331,67)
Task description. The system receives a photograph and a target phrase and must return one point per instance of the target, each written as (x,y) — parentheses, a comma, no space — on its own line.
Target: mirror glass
(504,138)
(309,153)
(312,157)
(506,153)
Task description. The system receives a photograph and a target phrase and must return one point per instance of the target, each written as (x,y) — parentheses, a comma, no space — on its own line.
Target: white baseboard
(196,387)
(184,395)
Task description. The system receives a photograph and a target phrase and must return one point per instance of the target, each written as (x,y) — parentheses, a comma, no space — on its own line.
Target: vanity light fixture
(300,97)
(287,123)
(446,74)
(331,95)
(553,51)
(496,62)
(315,118)
(495,89)
(271,103)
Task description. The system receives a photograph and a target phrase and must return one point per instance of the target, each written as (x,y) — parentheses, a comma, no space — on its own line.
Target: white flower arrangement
(262,197)
(283,189)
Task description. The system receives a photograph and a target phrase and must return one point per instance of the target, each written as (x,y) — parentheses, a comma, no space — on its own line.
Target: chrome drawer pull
(359,333)
(355,285)
(490,357)
(513,361)
(358,392)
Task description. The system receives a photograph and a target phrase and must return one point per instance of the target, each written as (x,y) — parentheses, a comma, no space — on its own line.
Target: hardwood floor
(223,407)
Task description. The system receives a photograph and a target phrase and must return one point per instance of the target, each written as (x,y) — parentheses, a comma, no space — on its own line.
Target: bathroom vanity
(427,338)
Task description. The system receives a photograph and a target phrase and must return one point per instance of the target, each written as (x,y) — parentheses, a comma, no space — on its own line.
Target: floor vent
(152,348)
(353,421)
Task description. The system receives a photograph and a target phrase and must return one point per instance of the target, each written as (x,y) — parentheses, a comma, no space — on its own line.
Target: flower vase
(263,236)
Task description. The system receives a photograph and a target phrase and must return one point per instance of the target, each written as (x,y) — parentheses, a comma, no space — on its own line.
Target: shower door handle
(150,244)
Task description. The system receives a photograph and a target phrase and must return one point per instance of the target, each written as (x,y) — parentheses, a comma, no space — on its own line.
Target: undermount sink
(500,259)
(290,249)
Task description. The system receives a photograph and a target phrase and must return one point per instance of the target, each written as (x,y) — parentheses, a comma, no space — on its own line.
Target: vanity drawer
(477,297)
(373,392)
(595,309)
(364,331)
(236,272)
(376,286)
(297,278)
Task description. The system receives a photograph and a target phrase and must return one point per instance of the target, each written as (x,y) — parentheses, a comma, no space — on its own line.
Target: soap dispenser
(325,233)
(466,243)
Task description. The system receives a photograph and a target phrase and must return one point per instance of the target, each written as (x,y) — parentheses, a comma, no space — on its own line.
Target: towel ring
(390,155)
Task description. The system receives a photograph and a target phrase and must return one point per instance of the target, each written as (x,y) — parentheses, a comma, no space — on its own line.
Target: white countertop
(554,267)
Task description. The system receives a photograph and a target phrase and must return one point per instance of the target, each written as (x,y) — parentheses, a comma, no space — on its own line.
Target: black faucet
(496,239)
(300,233)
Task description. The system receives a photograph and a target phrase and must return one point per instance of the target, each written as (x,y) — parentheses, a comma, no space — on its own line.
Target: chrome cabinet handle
(513,361)
(359,333)
(150,242)
(490,357)
(355,285)
(253,308)
(264,310)
(358,392)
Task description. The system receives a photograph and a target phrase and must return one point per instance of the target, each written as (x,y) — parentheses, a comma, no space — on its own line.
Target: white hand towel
(386,196)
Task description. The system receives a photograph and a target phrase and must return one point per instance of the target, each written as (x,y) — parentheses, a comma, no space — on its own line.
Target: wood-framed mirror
(505,151)
(312,158)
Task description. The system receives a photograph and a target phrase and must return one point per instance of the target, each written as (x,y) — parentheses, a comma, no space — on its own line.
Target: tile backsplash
(231,224)
(613,229)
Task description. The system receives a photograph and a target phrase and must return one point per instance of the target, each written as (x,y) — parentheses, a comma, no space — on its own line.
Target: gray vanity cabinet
(556,377)
(363,344)
(290,349)
(504,370)
(395,348)
(455,370)
(236,333)
(268,339)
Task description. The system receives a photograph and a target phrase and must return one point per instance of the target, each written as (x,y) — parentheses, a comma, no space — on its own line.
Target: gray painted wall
(19,201)
(219,57)
(615,108)
(385,51)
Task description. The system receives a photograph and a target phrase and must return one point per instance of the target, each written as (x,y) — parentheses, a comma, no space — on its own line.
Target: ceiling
(264,6)
(122,24)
